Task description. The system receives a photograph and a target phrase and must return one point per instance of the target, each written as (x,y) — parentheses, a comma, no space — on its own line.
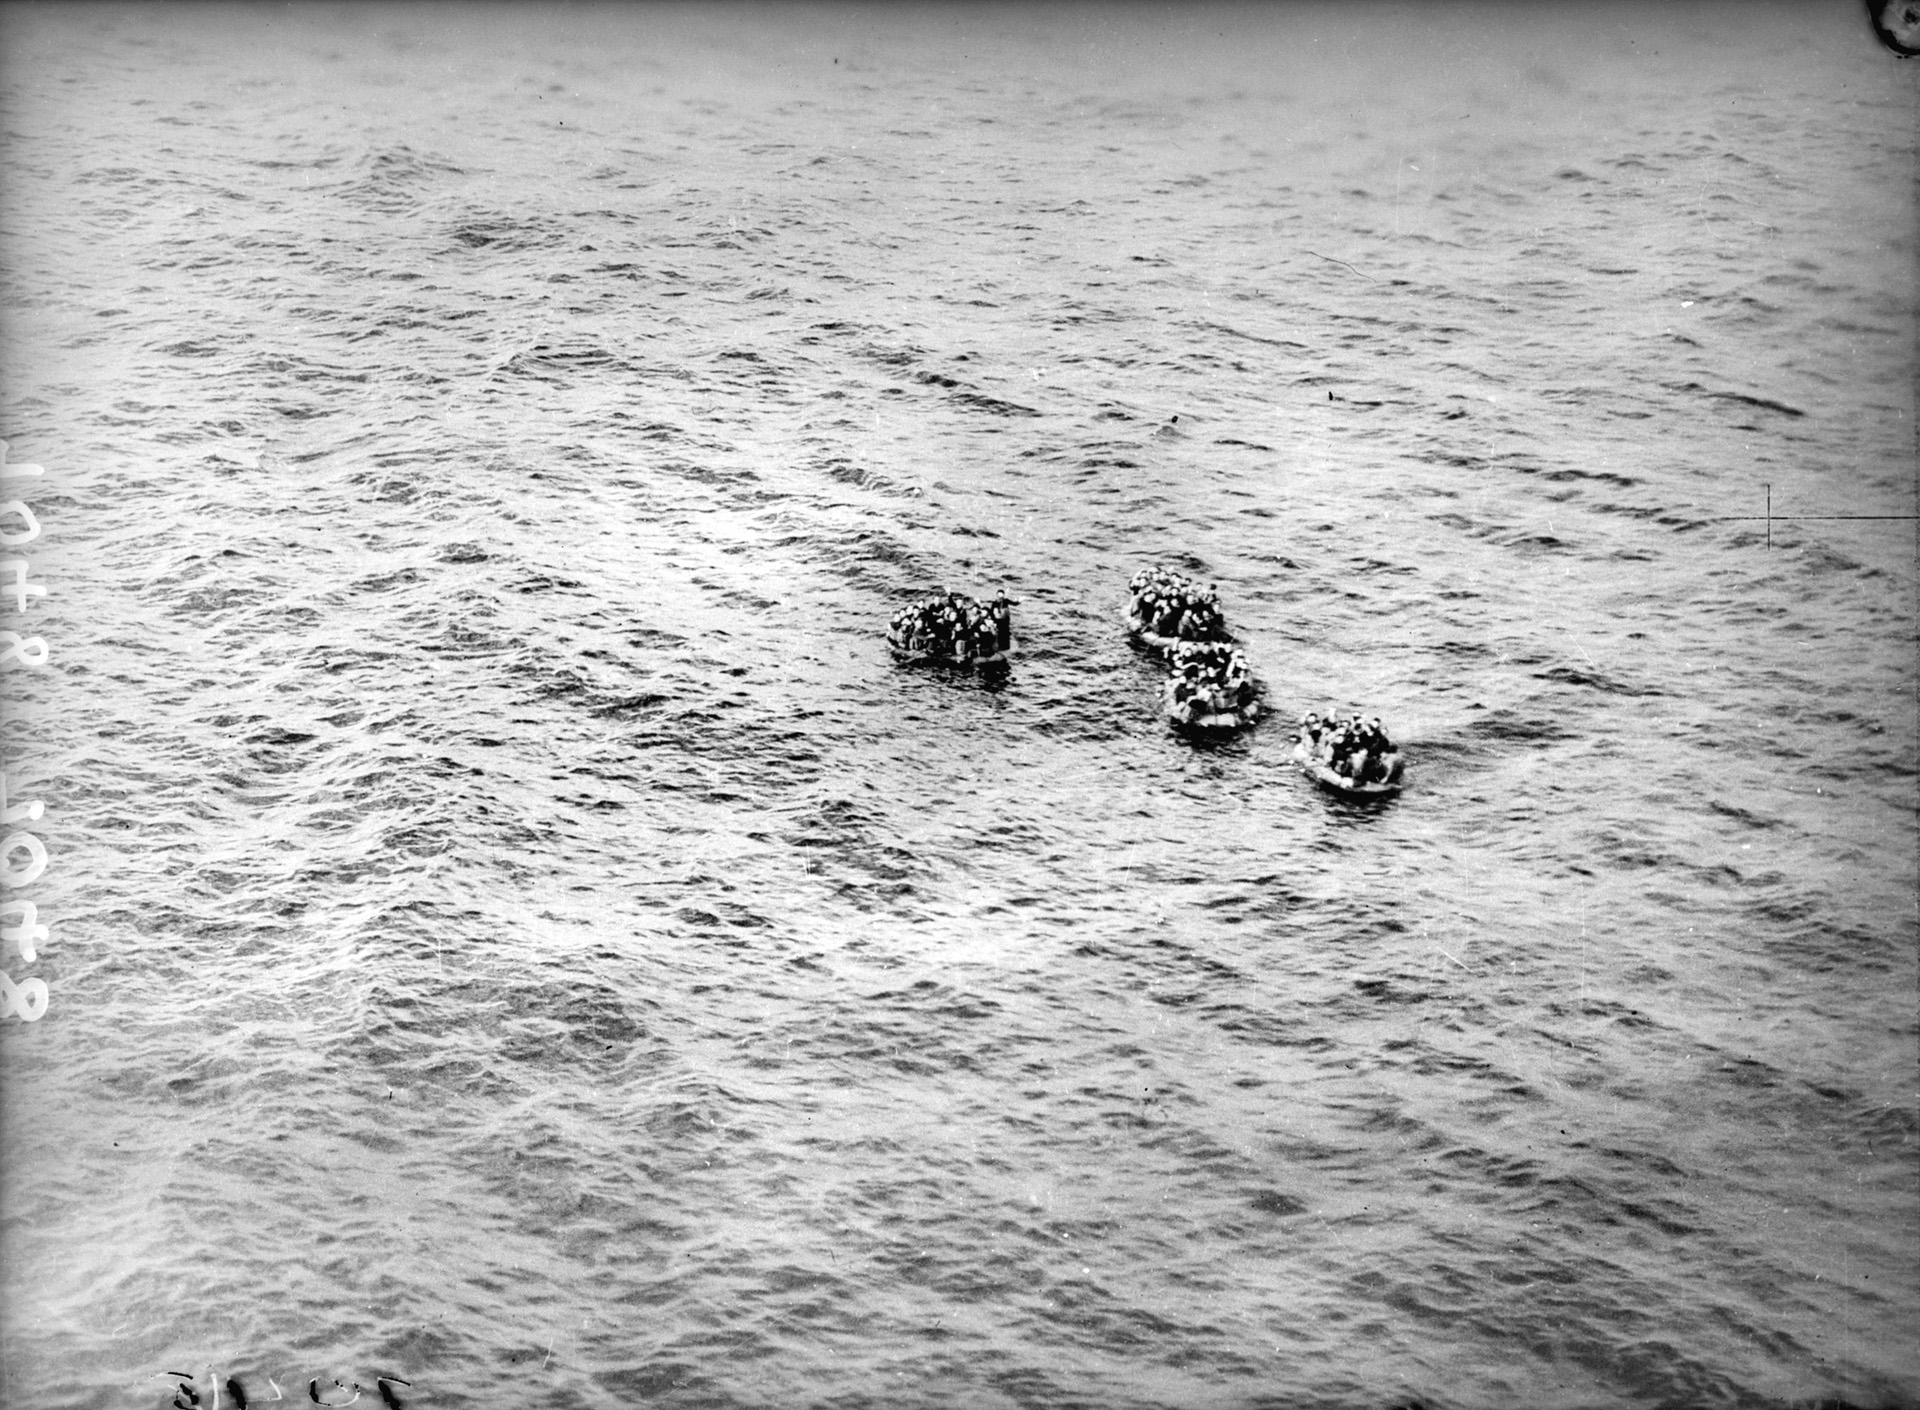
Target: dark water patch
(1509,726)
(1594,1201)
(544,582)
(1460,459)
(1884,1127)
(501,233)
(993,406)
(1170,956)
(623,706)
(1273,1030)
(559,365)
(459,638)
(1277,1203)
(384,582)
(1819,559)
(1571,473)
(1384,991)
(570,1020)
(296,412)
(1631,511)
(886,356)
(395,180)
(119,176)
(280,737)
(1826,946)
(1595,680)
(650,430)
(705,474)
(1740,397)
(273,367)
(1743,815)
(1251,337)
(652,639)
(1531,543)
(192,348)
(219,598)
(931,997)
(1381,565)
(717,914)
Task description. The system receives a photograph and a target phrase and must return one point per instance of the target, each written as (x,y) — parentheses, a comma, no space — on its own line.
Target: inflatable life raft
(1209,689)
(1314,761)
(951,629)
(1167,608)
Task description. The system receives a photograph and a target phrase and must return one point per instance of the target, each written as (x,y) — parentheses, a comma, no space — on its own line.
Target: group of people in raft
(1170,606)
(1355,748)
(1208,685)
(953,627)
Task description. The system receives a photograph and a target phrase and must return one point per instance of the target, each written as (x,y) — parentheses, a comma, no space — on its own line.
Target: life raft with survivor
(1381,766)
(1167,608)
(952,629)
(1209,689)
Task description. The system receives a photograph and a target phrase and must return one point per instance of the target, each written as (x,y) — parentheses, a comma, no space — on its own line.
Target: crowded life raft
(953,629)
(1167,608)
(1209,689)
(1349,755)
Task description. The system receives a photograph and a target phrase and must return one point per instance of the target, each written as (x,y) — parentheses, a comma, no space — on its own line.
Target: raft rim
(1342,786)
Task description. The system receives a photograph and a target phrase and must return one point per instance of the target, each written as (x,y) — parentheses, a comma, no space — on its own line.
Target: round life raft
(1209,689)
(952,629)
(1317,769)
(1167,608)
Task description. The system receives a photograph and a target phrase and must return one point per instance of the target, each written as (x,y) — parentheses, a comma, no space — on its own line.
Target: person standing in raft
(1001,614)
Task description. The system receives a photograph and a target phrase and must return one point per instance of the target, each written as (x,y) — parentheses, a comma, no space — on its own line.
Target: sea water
(515,932)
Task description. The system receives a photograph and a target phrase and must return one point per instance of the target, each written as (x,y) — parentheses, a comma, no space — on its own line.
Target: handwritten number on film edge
(28,999)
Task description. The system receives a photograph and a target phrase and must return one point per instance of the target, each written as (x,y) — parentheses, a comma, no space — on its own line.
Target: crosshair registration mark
(1771,518)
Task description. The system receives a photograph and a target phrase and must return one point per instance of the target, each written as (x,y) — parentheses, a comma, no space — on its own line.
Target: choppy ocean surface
(514,930)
